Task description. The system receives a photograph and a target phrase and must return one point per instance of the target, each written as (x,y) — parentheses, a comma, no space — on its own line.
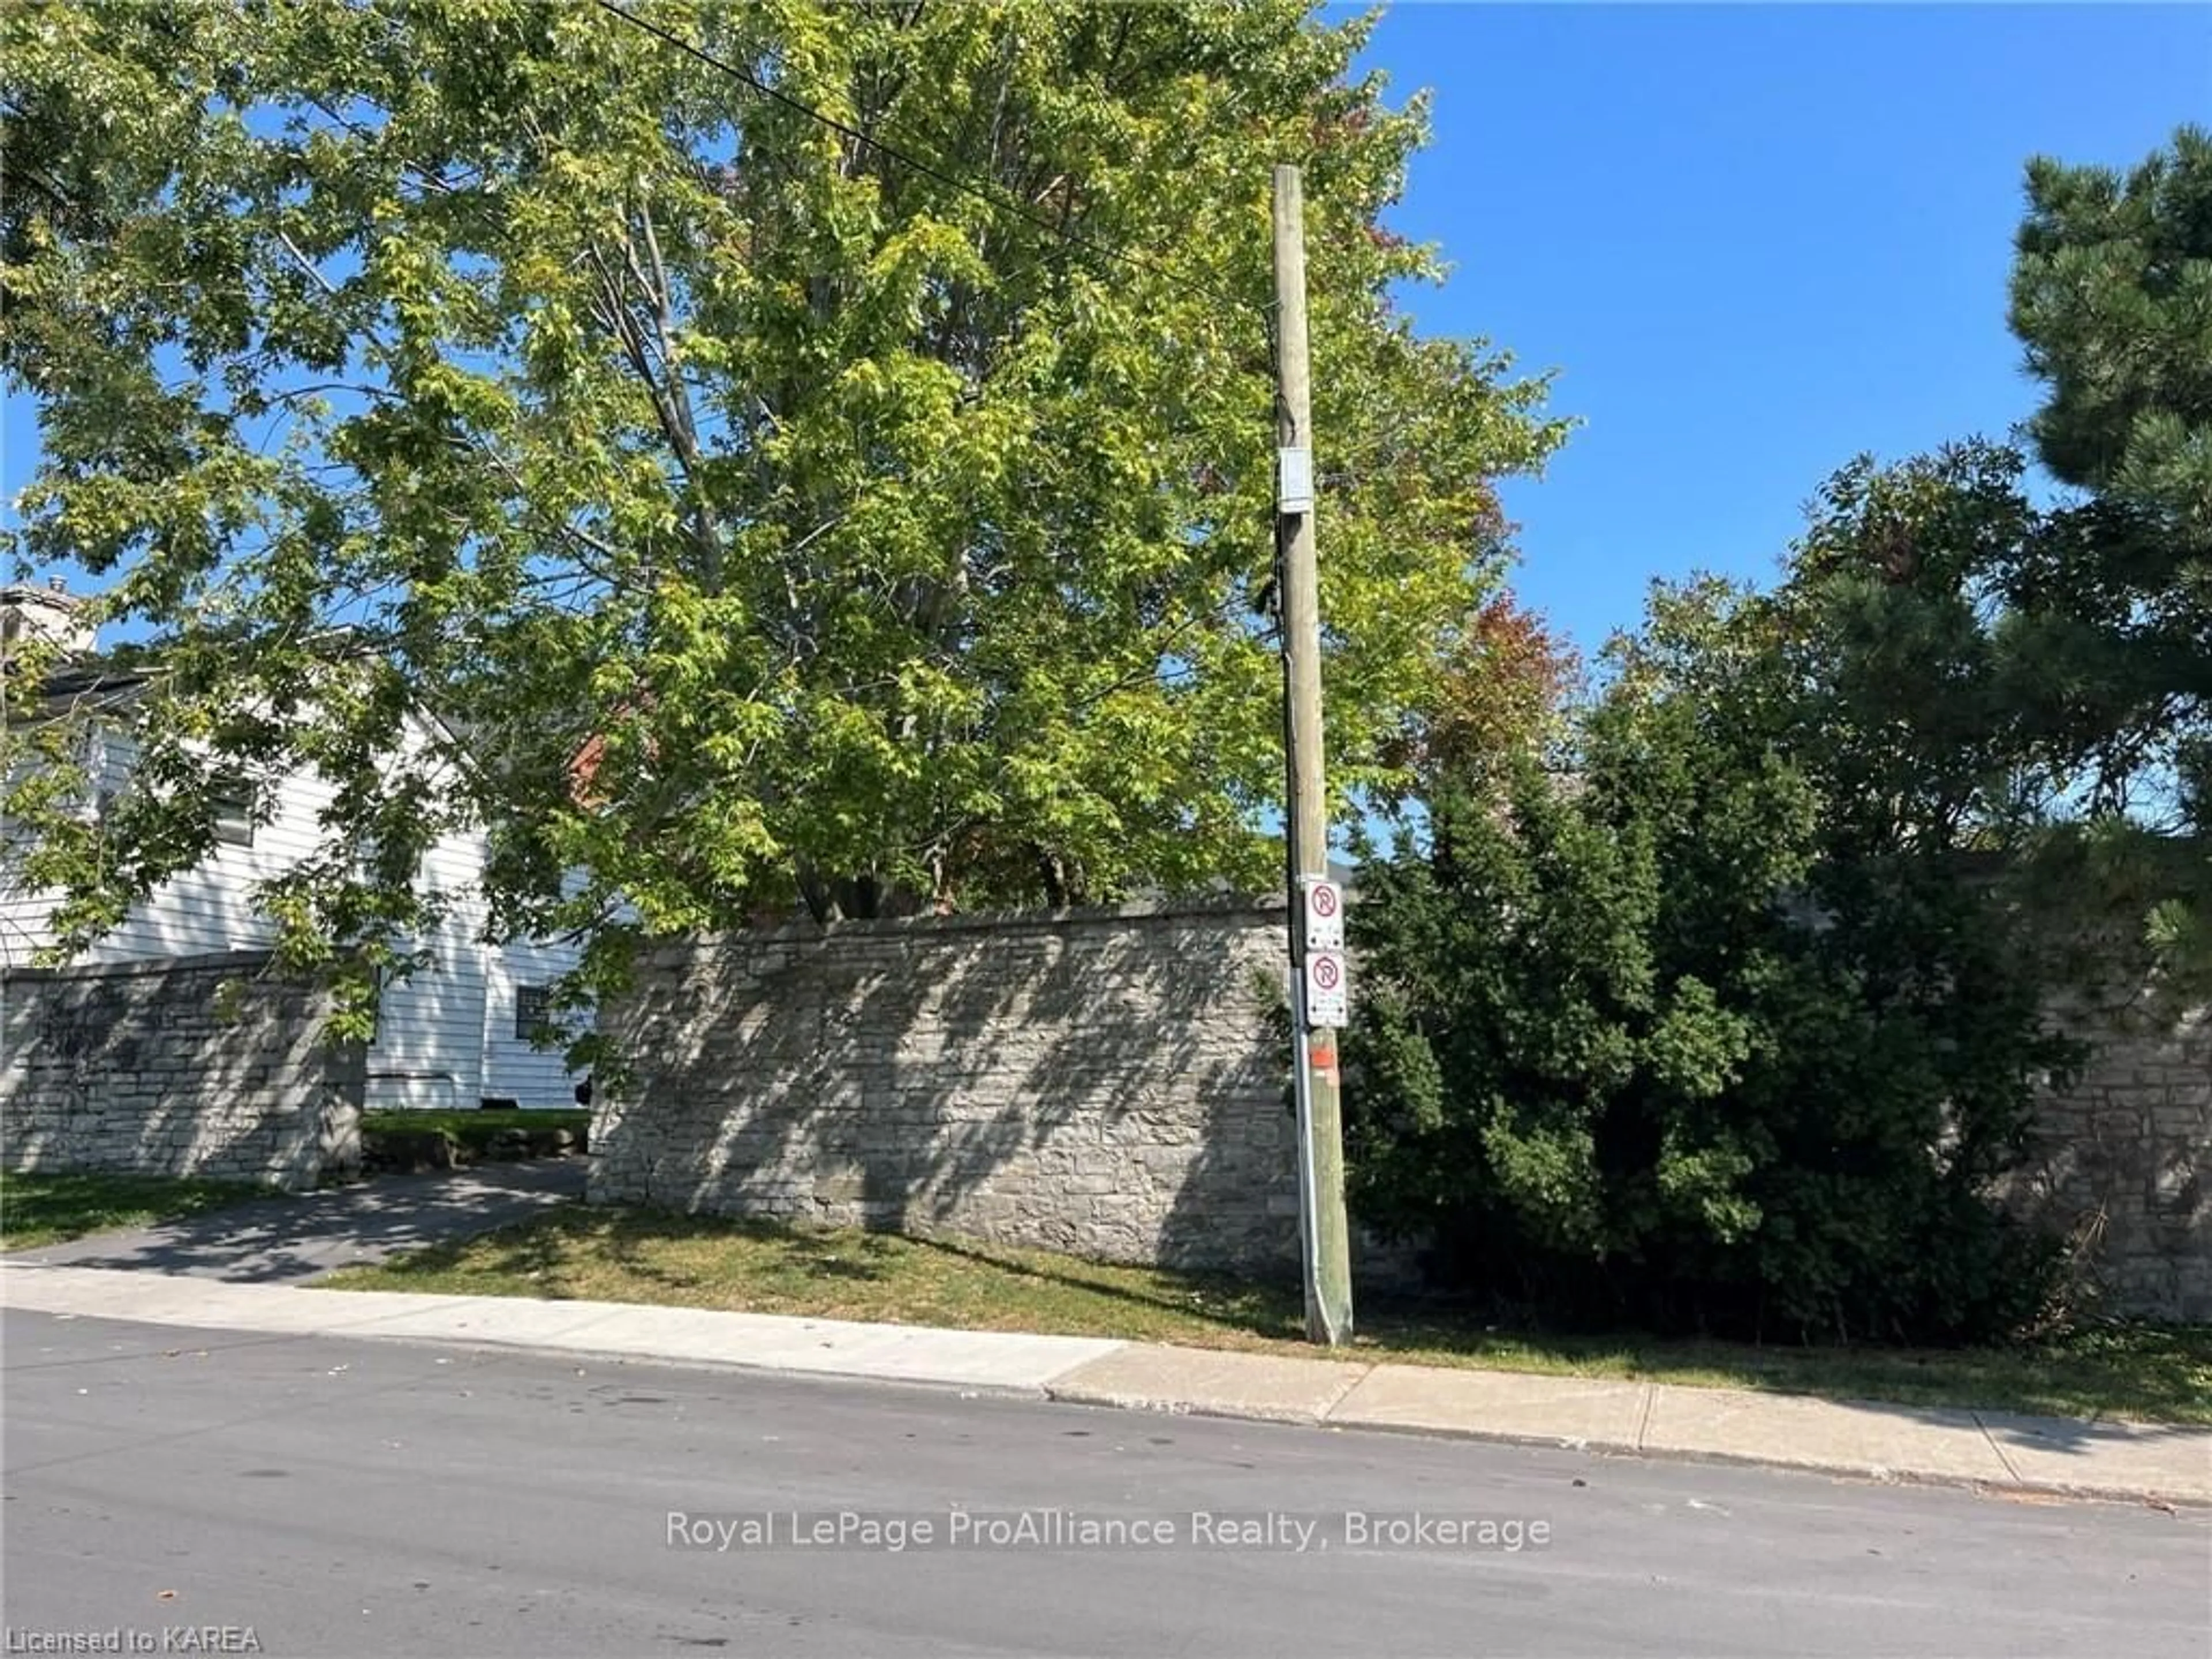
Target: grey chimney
(51,614)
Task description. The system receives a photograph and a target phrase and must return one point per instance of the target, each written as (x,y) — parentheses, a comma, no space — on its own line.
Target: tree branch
(292,248)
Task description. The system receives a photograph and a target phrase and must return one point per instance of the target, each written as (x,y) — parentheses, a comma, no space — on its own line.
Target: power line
(997,199)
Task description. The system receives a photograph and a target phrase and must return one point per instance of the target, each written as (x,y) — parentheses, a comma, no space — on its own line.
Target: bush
(1665,1039)
(409,1140)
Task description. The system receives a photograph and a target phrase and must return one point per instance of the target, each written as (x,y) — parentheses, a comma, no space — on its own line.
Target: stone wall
(1103,1083)
(1107,1082)
(211,1065)
(2121,1160)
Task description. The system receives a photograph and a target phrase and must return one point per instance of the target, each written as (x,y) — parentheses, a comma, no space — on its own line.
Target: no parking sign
(1328,998)
(1324,902)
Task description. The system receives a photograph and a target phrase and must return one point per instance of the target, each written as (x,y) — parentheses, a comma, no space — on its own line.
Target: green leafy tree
(523,420)
(1733,1025)
(1729,1022)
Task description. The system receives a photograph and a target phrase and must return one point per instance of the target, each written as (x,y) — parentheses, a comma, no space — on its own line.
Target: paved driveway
(293,1240)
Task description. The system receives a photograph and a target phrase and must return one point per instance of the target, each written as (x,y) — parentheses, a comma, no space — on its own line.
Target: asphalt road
(357,1499)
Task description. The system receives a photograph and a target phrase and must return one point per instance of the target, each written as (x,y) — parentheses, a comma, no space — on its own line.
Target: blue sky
(1754,240)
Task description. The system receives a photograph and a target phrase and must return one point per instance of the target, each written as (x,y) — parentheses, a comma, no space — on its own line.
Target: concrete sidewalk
(1987,1450)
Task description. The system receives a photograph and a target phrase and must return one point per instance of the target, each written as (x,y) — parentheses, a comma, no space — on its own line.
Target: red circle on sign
(1325,973)
(1324,900)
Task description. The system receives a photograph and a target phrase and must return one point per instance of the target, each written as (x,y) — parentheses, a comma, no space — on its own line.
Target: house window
(234,816)
(533,1011)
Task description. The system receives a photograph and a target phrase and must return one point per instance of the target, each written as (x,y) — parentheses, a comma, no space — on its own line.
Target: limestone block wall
(211,1065)
(1108,1082)
(2121,1159)
(1104,1082)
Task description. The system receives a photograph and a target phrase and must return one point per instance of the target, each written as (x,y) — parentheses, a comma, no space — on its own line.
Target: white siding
(23,929)
(204,909)
(26,915)
(428,1049)
(445,1034)
(514,1069)
(210,907)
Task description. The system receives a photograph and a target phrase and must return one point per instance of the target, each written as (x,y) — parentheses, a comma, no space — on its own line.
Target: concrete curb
(1869,1474)
(2181,1487)
(1984,1452)
(1215,1383)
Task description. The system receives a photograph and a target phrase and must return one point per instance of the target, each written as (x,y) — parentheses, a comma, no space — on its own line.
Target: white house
(457,1033)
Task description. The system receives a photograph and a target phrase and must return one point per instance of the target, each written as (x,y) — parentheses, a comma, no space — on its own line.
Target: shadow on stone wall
(1103,1084)
(214,1065)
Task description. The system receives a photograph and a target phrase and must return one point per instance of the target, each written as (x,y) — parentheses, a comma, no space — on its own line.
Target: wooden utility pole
(1320,1128)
